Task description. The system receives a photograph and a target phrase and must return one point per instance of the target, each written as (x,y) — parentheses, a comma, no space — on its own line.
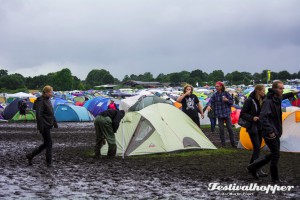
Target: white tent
(20,95)
(290,139)
(129,101)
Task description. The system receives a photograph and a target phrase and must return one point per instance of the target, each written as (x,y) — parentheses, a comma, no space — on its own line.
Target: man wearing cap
(45,122)
(221,103)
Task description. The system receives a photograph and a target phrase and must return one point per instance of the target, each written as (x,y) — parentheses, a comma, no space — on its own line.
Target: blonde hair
(186,86)
(47,89)
(257,88)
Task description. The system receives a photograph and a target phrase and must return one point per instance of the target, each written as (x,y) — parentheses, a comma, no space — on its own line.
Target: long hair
(258,88)
(186,86)
(221,85)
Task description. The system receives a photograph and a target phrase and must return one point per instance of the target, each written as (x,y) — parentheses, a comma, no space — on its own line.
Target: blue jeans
(213,122)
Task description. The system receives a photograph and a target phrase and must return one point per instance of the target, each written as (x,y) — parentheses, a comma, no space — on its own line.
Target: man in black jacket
(271,119)
(106,124)
(45,122)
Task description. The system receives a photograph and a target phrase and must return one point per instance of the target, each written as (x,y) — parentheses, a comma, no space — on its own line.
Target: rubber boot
(29,158)
(274,174)
(31,155)
(112,150)
(257,164)
(261,173)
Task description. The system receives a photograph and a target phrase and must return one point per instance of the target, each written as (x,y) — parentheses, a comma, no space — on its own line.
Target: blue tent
(12,108)
(87,103)
(71,113)
(57,101)
(285,103)
(98,105)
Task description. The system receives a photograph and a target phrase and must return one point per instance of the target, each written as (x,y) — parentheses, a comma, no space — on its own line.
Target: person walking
(45,122)
(106,125)
(250,112)
(221,102)
(271,120)
(191,104)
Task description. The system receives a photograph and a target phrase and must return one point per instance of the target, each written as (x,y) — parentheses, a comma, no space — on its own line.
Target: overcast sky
(158,36)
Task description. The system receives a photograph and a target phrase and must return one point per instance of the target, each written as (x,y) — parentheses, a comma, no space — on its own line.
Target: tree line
(63,80)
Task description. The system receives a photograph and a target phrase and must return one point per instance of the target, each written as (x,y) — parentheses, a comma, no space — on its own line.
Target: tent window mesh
(142,132)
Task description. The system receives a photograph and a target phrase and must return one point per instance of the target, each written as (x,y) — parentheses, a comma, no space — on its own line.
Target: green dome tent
(145,101)
(30,116)
(158,128)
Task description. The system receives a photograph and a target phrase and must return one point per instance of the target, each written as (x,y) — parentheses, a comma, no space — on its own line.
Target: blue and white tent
(72,113)
(98,105)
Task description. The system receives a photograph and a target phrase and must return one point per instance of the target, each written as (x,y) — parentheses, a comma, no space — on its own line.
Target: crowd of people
(262,111)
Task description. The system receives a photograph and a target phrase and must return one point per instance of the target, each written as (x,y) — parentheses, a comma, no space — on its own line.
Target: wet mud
(77,175)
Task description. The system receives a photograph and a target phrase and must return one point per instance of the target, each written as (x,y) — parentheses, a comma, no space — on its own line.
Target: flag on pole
(269,75)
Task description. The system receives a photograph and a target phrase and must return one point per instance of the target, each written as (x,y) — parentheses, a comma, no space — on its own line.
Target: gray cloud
(137,36)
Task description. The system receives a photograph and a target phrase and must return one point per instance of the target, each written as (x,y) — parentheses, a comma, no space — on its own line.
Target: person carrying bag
(250,118)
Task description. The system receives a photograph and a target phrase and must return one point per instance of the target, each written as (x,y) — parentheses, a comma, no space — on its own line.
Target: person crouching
(106,124)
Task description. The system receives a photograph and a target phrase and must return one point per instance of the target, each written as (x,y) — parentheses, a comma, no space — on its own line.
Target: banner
(269,75)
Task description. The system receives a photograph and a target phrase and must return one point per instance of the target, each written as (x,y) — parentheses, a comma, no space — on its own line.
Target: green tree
(147,76)
(229,78)
(3,72)
(283,75)
(160,77)
(107,79)
(134,77)
(175,78)
(126,78)
(99,77)
(12,82)
(216,75)
(62,80)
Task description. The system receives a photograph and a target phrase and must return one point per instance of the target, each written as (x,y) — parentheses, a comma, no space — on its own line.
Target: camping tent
(290,138)
(145,101)
(158,128)
(20,95)
(97,105)
(57,101)
(71,113)
(30,116)
(10,110)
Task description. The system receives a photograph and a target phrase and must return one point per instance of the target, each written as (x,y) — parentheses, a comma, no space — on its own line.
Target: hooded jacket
(44,113)
(271,113)
(251,109)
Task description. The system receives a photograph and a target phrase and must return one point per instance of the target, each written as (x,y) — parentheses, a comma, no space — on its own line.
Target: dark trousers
(46,145)
(256,139)
(229,128)
(196,120)
(274,146)
(213,122)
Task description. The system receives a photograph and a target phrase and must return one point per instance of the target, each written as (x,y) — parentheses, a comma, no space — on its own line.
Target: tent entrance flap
(190,142)
(142,132)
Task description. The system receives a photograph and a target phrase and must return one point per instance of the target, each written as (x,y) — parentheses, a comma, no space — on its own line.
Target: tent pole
(123,153)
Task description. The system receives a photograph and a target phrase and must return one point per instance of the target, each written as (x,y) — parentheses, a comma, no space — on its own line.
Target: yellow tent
(245,139)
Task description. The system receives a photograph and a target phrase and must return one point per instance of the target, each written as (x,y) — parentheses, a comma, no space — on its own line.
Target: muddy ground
(76,175)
